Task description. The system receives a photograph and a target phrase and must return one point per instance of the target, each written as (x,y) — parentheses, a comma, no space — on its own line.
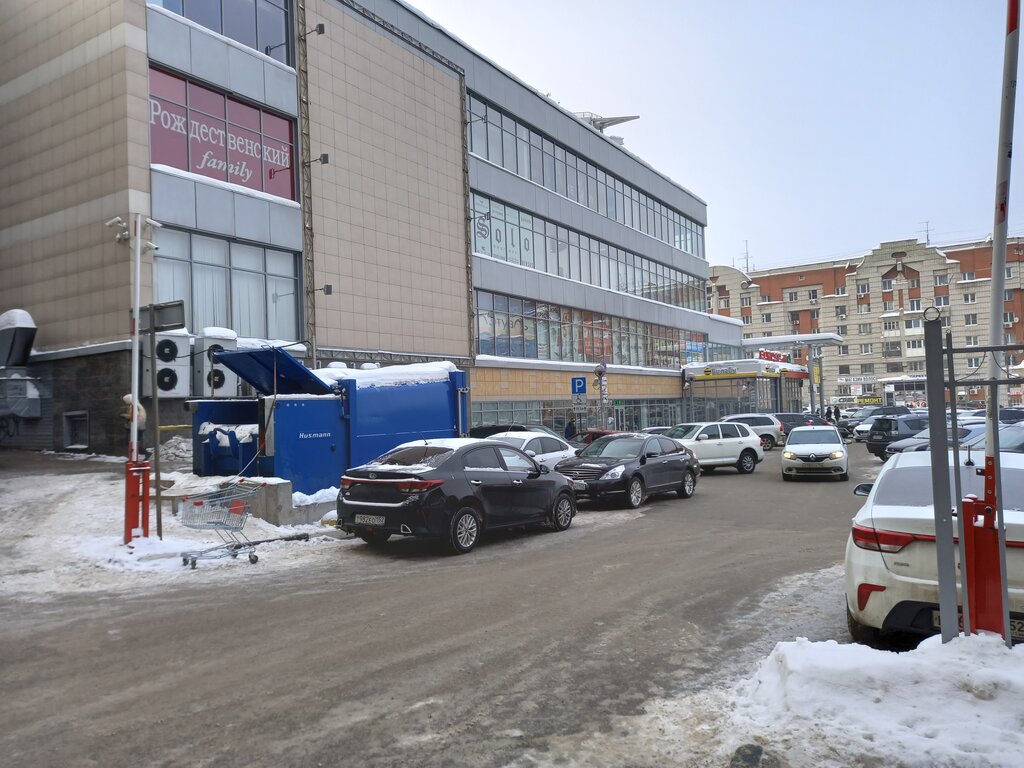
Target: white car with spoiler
(891,571)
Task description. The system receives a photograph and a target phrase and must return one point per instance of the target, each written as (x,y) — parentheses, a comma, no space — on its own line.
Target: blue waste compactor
(303,429)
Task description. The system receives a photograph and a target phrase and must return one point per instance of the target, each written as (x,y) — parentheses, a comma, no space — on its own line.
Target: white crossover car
(720,444)
(891,570)
(815,452)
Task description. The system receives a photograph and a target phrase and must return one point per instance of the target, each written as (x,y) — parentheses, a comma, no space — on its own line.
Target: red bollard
(136,500)
(981,551)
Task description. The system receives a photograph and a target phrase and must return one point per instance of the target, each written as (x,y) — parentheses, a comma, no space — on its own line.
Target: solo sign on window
(197,129)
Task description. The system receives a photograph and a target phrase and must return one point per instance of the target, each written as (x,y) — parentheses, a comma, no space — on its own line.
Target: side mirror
(543,469)
(531,454)
(702,437)
(578,451)
(651,455)
(863,489)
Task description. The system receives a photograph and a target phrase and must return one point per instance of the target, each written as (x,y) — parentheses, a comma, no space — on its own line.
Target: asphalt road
(516,654)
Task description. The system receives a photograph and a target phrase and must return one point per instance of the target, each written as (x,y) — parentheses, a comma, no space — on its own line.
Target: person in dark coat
(570,429)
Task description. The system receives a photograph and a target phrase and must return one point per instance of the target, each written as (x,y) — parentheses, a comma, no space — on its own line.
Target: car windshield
(682,431)
(863,413)
(1010,439)
(817,436)
(414,456)
(912,486)
(612,447)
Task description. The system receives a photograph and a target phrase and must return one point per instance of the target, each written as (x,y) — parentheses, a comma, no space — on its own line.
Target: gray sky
(814,129)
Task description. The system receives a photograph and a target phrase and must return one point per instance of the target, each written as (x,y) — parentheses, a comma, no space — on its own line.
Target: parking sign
(579,385)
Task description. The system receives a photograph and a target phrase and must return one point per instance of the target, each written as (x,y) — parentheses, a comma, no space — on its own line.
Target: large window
(504,141)
(512,235)
(225,284)
(197,129)
(512,327)
(259,24)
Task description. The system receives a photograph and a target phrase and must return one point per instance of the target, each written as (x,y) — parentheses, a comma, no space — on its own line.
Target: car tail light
(346,482)
(417,486)
(864,592)
(880,541)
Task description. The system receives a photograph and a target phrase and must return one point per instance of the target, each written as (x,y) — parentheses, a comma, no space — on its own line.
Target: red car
(587,436)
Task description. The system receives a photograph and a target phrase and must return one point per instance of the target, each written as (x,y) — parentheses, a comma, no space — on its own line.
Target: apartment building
(876,303)
(346,175)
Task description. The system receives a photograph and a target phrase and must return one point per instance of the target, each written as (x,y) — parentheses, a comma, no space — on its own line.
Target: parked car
(766,426)
(586,436)
(540,446)
(632,466)
(720,444)
(656,430)
(452,490)
(860,432)
(1006,415)
(922,440)
(1011,440)
(793,420)
(872,410)
(891,572)
(889,429)
(815,452)
(486,430)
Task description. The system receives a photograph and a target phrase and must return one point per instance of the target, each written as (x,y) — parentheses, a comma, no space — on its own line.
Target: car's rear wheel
(688,486)
(635,494)
(374,538)
(464,532)
(861,633)
(562,512)
(768,442)
(746,463)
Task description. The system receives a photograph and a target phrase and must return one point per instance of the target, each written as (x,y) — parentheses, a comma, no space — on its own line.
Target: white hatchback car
(815,452)
(860,432)
(720,444)
(544,448)
(891,571)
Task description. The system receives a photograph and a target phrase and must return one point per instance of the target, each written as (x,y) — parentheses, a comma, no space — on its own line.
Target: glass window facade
(507,326)
(227,284)
(509,234)
(197,129)
(259,24)
(499,138)
(627,415)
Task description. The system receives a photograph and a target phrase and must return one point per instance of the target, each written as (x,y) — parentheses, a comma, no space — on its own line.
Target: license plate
(1016,626)
(579,485)
(369,520)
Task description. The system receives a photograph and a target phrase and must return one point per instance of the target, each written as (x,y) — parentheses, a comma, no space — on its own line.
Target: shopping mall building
(343,174)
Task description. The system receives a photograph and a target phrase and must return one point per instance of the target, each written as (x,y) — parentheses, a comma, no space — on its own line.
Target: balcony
(892,353)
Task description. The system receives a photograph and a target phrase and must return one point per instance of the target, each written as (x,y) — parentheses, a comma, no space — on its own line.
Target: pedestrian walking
(126,414)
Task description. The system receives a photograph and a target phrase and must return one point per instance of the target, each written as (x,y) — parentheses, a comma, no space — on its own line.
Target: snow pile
(244,433)
(390,376)
(177,449)
(957,704)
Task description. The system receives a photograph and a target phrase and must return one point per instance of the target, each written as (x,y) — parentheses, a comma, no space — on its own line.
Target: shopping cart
(224,511)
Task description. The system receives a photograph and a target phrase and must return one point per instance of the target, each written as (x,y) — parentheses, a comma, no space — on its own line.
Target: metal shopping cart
(223,511)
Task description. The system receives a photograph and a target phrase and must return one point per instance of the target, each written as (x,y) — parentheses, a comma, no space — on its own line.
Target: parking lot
(522,652)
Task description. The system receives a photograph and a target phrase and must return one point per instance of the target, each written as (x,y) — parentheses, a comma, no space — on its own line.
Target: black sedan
(632,466)
(451,490)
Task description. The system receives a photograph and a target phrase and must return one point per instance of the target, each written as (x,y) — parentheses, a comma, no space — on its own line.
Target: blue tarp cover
(259,367)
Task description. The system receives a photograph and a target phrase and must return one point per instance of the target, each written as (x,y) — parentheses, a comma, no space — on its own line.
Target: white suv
(771,431)
(720,444)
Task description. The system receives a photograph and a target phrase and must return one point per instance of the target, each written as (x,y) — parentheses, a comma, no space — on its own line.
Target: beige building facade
(343,176)
(876,302)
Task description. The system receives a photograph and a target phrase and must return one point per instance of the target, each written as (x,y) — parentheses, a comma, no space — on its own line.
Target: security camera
(117,221)
(155,224)
(122,236)
(150,246)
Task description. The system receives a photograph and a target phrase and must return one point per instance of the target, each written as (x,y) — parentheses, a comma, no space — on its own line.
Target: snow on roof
(218,333)
(390,376)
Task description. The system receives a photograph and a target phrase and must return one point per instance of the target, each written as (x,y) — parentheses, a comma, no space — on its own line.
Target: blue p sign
(579,385)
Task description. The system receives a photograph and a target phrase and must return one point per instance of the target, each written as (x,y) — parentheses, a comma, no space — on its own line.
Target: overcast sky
(813,129)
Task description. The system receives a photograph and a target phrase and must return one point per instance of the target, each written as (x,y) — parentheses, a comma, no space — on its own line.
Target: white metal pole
(1005,151)
(133,448)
